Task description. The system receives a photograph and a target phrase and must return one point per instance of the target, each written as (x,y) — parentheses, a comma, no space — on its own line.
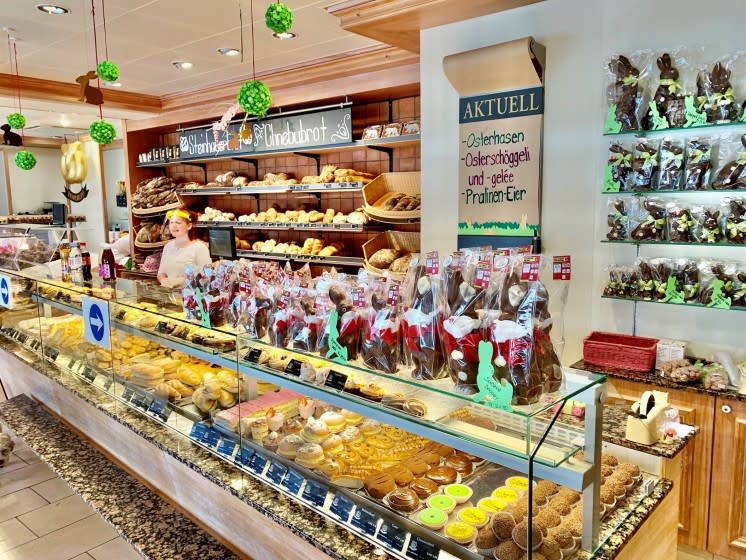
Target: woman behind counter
(183,249)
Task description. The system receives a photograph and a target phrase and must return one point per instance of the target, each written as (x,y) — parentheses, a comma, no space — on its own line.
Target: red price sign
(504,252)
(358,297)
(284,300)
(432,263)
(244,286)
(393,294)
(524,250)
(482,275)
(561,268)
(530,269)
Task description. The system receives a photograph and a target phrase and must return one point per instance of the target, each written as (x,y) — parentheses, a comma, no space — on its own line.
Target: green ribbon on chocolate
(696,155)
(646,285)
(734,228)
(722,99)
(741,159)
(630,80)
(622,159)
(649,160)
(673,85)
(710,234)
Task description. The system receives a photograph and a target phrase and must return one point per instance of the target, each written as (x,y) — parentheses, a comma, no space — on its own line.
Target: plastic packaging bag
(667,108)
(690,284)
(661,272)
(715,94)
(681,224)
(624,92)
(649,220)
(645,165)
(340,338)
(614,287)
(735,222)
(645,282)
(717,280)
(732,172)
(671,165)
(739,290)
(698,164)
(381,343)
(260,307)
(305,330)
(709,225)
(618,169)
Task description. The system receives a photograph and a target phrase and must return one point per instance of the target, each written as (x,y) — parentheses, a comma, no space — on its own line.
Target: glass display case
(370,451)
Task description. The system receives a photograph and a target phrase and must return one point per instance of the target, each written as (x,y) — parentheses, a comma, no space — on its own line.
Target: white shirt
(175,258)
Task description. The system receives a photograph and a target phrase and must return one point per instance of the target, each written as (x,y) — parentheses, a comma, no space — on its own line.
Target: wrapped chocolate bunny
(618,169)
(735,223)
(623,95)
(340,338)
(661,272)
(698,164)
(305,331)
(671,165)
(613,286)
(617,220)
(689,279)
(649,220)
(681,224)
(189,294)
(739,293)
(238,311)
(715,95)
(644,165)
(260,303)
(709,225)
(422,323)
(667,108)
(717,281)
(732,173)
(283,318)
(381,343)
(645,282)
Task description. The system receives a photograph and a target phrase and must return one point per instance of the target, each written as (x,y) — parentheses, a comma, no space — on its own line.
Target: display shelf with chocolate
(710,128)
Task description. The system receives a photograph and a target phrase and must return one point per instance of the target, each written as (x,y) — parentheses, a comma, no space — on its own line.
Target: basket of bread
(391,251)
(154,196)
(393,197)
(152,236)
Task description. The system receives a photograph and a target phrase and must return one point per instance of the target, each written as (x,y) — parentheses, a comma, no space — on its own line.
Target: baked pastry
(461,463)
(473,516)
(383,258)
(432,518)
(289,445)
(520,535)
(461,532)
(357,217)
(401,265)
(402,475)
(334,421)
(403,500)
(423,487)
(332,446)
(378,485)
(442,475)
(309,455)
(441,502)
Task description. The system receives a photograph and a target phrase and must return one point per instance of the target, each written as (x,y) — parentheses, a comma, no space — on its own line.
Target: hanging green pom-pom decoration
(254,98)
(25,160)
(102,132)
(16,120)
(107,71)
(278,17)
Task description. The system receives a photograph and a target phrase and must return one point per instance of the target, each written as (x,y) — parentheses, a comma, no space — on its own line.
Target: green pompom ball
(102,132)
(107,71)
(25,160)
(279,18)
(16,120)
(254,98)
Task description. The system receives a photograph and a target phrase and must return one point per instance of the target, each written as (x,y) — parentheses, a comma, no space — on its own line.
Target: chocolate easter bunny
(733,174)
(690,281)
(715,95)
(735,225)
(617,221)
(653,225)
(625,92)
(668,98)
(680,225)
(711,230)
(739,295)
(646,282)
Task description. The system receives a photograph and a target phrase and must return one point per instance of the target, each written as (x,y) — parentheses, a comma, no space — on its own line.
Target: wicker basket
(634,353)
(156,245)
(405,242)
(383,187)
(156,210)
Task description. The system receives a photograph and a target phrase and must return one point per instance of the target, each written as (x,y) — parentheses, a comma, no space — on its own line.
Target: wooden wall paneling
(727,536)
(655,538)
(696,459)
(8,190)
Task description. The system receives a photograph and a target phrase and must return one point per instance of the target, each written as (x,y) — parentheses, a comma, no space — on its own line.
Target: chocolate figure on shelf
(732,175)
(668,97)
(646,282)
(681,225)
(715,95)
(690,280)
(617,222)
(725,281)
(671,165)
(735,225)
(739,295)
(653,226)
(625,92)
(698,164)
(644,166)
(711,231)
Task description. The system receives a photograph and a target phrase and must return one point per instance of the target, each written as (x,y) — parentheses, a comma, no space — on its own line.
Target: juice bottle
(107,265)
(76,263)
(86,256)
(65,261)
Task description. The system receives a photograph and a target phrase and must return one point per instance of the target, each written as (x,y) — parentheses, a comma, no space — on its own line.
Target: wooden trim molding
(8,190)
(399,22)
(51,90)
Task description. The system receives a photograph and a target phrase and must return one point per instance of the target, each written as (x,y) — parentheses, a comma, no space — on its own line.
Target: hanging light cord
(95,48)
(240,21)
(253,50)
(106,38)
(18,80)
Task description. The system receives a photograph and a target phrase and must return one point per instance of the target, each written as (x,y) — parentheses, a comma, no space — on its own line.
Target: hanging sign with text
(500,162)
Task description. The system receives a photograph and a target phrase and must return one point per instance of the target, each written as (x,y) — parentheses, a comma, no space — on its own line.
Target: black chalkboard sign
(336,380)
(420,549)
(278,133)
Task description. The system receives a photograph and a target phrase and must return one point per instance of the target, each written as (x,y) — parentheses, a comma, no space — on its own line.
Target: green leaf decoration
(718,299)
(693,116)
(492,392)
(337,351)
(612,125)
(254,98)
(102,132)
(107,71)
(610,184)
(16,120)
(672,294)
(25,160)
(278,17)
(659,123)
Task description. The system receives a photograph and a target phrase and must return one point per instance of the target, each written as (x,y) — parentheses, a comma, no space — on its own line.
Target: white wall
(114,172)
(579,35)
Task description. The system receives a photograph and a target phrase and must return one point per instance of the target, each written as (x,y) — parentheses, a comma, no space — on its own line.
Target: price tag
(342,507)
(96,322)
(253,355)
(292,481)
(276,472)
(89,374)
(392,535)
(140,400)
(483,275)
(244,455)
(294,367)
(35,345)
(71,363)
(358,297)
(198,432)
(226,446)
(335,380)
(432,262)
(524,250)
(51,353)
(420,549)
(392,297)
(561,268)
(530,268)
(365,521)
(159,408)
(121,314)
(315,493)
(127,395)
(161,326)
(211,438)
(22,338)
(257,463)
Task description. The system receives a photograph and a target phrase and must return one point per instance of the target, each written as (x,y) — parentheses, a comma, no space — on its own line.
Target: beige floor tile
(65,543)
(14,463)
(117,549)
(24,478)
(20,502)
(13,534)
(83,556)
(25,453)
(57,515)
(53,490)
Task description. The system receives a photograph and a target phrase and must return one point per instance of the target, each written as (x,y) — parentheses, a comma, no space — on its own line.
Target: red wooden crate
(635,353)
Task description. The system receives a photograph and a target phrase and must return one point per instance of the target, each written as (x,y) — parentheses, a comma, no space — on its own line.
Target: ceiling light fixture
(227,51)
(283,36)
(52,10)
(182,64)
(114,84)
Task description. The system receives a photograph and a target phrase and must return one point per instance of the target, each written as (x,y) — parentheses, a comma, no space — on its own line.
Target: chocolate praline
(442,475)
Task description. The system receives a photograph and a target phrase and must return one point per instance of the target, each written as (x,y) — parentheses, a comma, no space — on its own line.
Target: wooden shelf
(311,259)
(274,189)
(291,226)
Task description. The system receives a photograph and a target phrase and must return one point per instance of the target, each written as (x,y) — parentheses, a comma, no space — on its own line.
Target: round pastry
(630,468)
(289,446)
(378,485)
(548,487)
(442,450)
(503,525)
(560,506)
(508,550)
(429,457)
(439,501)
(352,418)
(548,518)
(417,467)
(540,501)
(606,471)
(367,451)
(520,535)
(259,429)
(309,455)
(486,542)
(571,496)
(315,431)
(271,441)
(442,475)
(473,516)
(459,492)
(519,483)
(607,496)
(330,467)
(432,518)
(461,532)
(461,463)
(518,510)
(616,487)
(507,494)
(351,458)
(491,505)
(575,526)
(396,434)
(424,487)
(372,391)
(293,426)
(551,550)
(402,475)
(306,407)
(275,420)
(610,460)
(332,446)
(351,435)
(334,421)
(370,427)
(563,538)
(540,495)
(380,441)
(403,500)
(622,477)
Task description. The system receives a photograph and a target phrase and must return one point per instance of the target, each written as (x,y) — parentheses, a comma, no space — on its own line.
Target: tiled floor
(41,518)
